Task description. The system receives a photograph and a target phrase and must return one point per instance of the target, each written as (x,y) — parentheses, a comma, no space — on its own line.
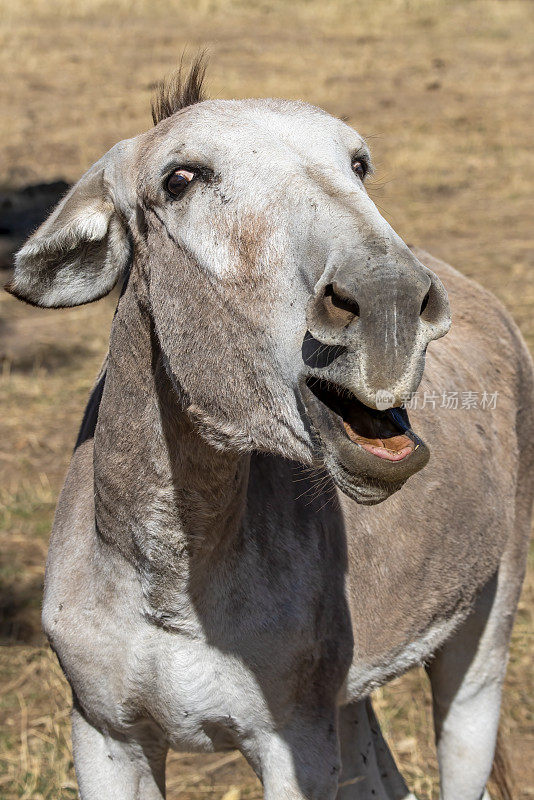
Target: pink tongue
(395,448)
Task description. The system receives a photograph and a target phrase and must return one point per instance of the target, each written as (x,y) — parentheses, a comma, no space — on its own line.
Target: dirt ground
(443,91)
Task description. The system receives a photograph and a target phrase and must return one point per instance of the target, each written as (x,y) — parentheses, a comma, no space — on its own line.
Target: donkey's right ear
(79,253)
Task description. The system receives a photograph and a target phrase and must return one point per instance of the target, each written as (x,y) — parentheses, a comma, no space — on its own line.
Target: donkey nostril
(425,302)
(317,355)
(435,309)
(335,300)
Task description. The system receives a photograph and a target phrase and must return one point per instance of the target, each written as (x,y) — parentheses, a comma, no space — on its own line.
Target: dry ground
(444,92)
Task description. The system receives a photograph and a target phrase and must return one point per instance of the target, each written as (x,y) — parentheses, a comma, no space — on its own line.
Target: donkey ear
(78,254)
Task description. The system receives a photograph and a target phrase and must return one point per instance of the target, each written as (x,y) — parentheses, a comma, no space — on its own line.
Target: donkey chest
(225,671)
(206,699)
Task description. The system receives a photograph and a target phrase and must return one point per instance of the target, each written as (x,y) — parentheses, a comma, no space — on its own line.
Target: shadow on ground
(21,212)
(20,612)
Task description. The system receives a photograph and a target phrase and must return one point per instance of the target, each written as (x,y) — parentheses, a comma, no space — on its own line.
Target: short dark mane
(178,91)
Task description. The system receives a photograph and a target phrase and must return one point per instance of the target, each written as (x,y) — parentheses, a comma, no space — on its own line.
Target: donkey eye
(359,169)
(178,181)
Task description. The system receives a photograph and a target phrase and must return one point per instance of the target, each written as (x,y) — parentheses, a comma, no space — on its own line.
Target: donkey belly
(368,673)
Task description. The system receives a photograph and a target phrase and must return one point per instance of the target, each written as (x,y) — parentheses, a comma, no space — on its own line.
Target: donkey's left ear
(79,253)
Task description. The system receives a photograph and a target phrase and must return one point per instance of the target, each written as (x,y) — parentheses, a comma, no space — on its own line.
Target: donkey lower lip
(385,434)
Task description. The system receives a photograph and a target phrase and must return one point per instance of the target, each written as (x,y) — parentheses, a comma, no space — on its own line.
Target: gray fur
(208,586)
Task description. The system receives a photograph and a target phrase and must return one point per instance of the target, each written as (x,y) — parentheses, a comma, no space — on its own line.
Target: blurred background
(443,91)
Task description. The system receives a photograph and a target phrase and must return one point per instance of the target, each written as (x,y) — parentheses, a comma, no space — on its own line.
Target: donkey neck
(163,496)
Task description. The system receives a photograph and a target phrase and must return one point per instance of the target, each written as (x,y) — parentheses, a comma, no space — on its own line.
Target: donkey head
(291,317)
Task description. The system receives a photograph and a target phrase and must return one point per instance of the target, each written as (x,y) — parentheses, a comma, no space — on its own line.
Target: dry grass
(443,90)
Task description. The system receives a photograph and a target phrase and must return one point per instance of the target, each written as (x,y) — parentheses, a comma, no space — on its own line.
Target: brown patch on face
(250,283)
(252,261)
(248,239)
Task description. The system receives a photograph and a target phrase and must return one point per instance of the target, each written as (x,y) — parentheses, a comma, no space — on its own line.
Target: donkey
(232,564)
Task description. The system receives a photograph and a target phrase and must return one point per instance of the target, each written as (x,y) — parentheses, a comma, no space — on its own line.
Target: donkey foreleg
(111,768)
(466,677)
(369,771)
(299,761)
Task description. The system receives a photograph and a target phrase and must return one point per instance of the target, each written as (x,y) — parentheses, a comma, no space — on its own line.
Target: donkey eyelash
(200,170)
(197,172)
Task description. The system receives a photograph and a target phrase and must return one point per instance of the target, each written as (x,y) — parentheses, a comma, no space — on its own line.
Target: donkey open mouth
(370,453)
(384,433)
